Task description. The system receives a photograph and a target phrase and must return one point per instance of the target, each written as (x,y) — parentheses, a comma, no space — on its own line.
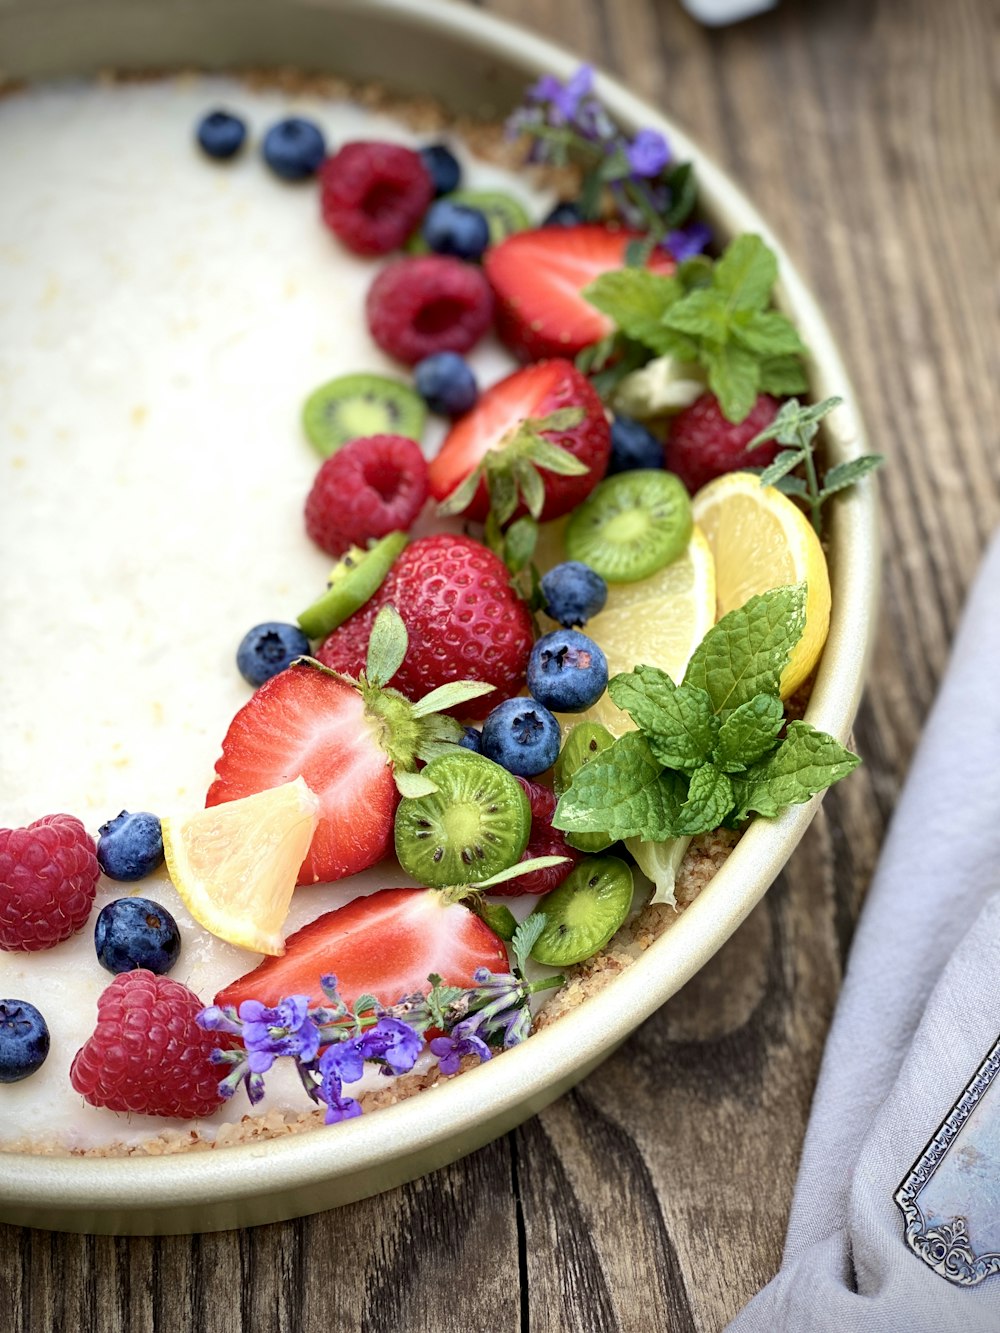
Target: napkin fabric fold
(918,1013)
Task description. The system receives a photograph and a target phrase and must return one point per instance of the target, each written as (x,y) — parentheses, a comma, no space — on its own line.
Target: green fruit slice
(631,525)
(504,215)
(475,825)
(353,406)
(355,579)
(584,741)
(584,912)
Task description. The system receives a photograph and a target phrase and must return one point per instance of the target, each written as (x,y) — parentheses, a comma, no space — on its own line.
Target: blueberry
(294,148)
(633,446)
(269,648)
(443,166)
(573,592)
(136,932)
(472,740)
(24,1040)
(565,214)
(446,383)
(221,134)
(567,671)
(522,737)
(130,846)
(456,229)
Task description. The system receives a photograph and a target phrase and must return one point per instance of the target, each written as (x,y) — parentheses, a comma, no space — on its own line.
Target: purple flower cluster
(331,1043)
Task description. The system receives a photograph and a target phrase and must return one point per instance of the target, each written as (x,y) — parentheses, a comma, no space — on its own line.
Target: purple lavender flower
(344,1061)
(287,1029)
(450,1050)
(686,242)
(647,154)
(393,1041)
(563,99)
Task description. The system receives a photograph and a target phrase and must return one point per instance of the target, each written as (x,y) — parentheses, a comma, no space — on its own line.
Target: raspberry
(48,878)
(702,444)
(147,1053)
(544,840)
(374,194)
(369,488)
(428,304)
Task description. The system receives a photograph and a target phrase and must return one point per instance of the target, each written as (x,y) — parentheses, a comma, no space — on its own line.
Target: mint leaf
(806,762)
(749,732)
(782,375)
(746,273)
(624,792)
(386,646)
(637,301)
(846,474)
(746,652)
(677,720)
(733,376)
(709,801)
(683,195)
(767,333)
(702,314)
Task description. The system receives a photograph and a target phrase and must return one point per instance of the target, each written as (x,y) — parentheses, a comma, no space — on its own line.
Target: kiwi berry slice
(584,912)
(354,579)
(353,406)
(631,525)
(504,215)
(584,741)
(475,825)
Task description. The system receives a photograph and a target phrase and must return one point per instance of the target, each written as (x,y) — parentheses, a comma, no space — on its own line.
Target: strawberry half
(354,742)
(538,279)
(385,945)
(506,432)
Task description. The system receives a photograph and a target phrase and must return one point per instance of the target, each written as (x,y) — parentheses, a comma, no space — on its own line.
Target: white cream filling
(162,319)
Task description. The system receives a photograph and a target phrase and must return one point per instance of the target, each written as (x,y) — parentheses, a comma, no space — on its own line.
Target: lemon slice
(658,621)
(235,865)
(760,540)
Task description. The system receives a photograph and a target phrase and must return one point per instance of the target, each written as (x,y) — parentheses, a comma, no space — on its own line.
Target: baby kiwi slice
(353,406)
(584,741)
(475,825)
(584,912)
(504,215)
(354,579)
(631,525)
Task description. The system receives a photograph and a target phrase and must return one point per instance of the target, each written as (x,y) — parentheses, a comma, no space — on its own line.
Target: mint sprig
(796,427)
(716,314)
(707,752)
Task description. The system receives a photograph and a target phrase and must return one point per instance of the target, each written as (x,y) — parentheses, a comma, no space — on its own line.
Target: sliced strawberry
(304,722)
(532,393)
(538,278)
(385,945)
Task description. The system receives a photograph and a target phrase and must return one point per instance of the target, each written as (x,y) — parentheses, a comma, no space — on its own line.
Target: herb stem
(815,503)
(544,983)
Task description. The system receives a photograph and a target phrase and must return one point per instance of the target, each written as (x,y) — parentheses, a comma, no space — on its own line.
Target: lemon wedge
(235,865)
(657,621)
(761,540)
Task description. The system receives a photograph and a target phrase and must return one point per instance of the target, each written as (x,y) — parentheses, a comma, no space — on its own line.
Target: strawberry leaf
(526,937)
(386,646)
(450,695)
(413,784)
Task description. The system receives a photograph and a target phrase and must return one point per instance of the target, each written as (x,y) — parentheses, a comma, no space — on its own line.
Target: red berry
(544,840)
(535,391)
(464,620)
(702,444)
(48,878)
(147,1053)
(428,304)
(369,488)
(374,194)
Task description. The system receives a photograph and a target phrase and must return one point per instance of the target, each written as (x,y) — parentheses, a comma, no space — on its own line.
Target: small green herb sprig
(796,427)
(709,751)
(716,314)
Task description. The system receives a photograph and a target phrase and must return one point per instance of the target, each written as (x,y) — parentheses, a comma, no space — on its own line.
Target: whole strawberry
(48,878)
(703,444)
(147,1053)
(463,618)
(541,433)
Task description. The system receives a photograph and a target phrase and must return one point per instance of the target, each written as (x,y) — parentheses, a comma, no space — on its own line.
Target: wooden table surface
(656,1194)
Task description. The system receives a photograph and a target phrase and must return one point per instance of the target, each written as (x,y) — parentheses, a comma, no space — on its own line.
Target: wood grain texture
(655,1196)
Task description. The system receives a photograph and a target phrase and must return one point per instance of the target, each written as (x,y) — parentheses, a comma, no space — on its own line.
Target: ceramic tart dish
(476,67)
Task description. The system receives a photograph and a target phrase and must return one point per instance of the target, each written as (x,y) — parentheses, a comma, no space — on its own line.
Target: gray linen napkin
(919,1011)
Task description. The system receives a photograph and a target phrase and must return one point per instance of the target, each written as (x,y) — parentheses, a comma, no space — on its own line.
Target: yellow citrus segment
(760,540)
(235,865)
(657,621)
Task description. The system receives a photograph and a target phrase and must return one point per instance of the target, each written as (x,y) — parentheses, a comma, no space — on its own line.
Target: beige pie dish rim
(266,1181)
